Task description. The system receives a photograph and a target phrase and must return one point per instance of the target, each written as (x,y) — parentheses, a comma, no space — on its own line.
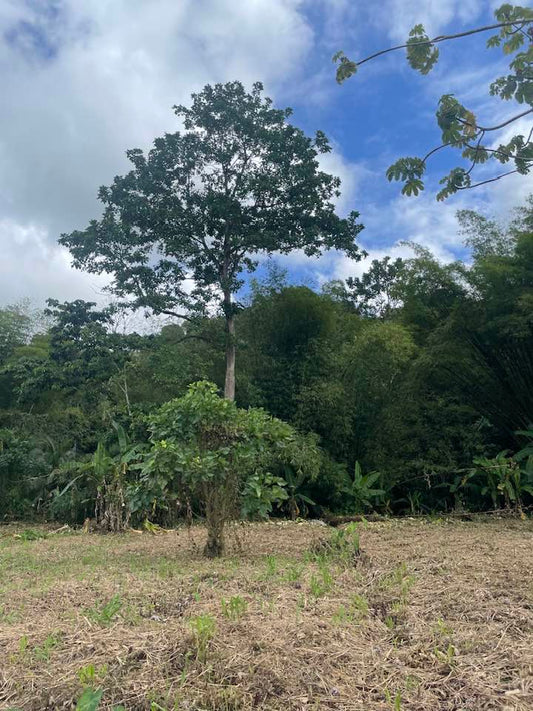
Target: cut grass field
(433,615)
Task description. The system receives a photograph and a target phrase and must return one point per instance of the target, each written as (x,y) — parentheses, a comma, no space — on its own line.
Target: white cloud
(427,222)
(351,175)
(33,266)
(83,82)
(399,16)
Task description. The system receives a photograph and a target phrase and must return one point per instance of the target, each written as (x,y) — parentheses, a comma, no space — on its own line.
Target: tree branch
(491,180)
(500,125)
(474,159)
(168,312)
(441,38)
(434,150)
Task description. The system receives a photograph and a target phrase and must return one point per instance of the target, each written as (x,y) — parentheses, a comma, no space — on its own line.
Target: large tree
(179,230)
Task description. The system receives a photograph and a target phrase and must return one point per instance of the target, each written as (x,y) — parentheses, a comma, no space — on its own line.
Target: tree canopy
(204,204)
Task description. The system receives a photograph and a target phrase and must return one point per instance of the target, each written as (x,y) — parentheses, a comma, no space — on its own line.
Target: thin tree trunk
(127,395)
(229,385)
(215,518)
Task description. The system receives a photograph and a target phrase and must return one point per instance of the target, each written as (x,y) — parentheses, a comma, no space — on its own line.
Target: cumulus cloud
(399,16)
(32,266)
(83,82)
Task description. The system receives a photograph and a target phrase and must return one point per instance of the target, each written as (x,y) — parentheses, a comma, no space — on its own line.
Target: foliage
(361,490)
(234,608)
(261,492)
(460,128)
(104,479)
(240,181)
(203,628)
(206,447)
(526,453)
(23,471)
(107,613)
(15,329)
(504,478)
(414,369)
(89,700)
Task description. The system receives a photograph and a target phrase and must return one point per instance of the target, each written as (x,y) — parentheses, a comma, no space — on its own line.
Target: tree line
(419,371)
(407,389)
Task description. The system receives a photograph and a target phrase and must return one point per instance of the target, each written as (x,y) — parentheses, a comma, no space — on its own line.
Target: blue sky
(84,81)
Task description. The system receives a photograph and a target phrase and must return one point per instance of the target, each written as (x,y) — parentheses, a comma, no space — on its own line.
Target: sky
(82,82)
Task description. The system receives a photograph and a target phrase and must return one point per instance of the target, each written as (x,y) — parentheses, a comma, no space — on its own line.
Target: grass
(429,616)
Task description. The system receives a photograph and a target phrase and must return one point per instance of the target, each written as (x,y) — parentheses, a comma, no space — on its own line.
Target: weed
(42,653)
(389,621)
(203,627)
(89,700)
(7,617)
(90,674)
(293,573)
(399,578)
(358,609)
(341,616)
(23,646)
(396,701)
(360,604)
(448,656)
(412,682)
(322,584)
(234,608)
(107,613)
(343,546)
(271,566)
(185,670)
(30,534)
(442,629)
(316,587)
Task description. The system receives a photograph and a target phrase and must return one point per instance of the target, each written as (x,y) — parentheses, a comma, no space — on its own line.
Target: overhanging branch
(442,38)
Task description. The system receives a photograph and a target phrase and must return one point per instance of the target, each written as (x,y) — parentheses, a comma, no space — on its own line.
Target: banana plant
(505,478)
(526,453)
(297,502)
(107,476)
(361,489)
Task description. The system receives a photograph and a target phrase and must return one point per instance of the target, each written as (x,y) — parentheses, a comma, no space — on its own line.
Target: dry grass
(436,616)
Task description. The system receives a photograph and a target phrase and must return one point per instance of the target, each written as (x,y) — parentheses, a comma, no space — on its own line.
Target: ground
(432,615)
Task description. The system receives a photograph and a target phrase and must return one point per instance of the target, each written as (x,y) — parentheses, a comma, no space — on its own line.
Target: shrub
(205,447)
(100,484)
(23,471)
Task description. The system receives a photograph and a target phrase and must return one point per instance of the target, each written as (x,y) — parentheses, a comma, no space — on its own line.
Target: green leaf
(89,700)
(346,67)
(422,55)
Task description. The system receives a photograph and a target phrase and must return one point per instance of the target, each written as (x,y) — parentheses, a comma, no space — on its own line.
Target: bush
(207,448)
(23,471)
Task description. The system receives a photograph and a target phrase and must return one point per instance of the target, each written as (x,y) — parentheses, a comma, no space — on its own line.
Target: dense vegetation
(408,389)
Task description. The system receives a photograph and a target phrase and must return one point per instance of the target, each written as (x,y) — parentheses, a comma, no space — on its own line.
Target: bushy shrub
(23,471)
(205,447)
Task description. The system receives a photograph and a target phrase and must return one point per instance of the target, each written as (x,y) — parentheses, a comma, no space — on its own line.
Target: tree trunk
(229,385)
(214,547)
(214,521)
